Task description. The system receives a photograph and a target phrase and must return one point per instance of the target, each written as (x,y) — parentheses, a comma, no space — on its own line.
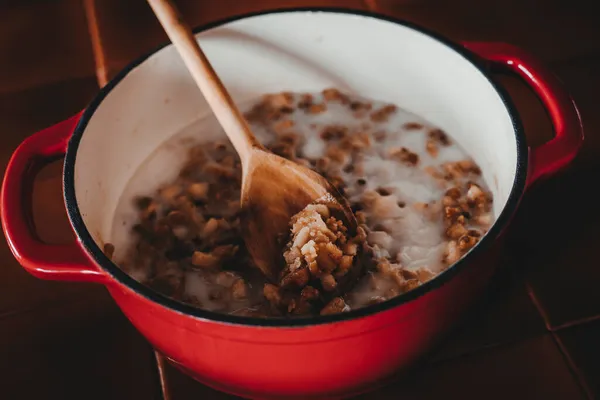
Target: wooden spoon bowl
(273,190)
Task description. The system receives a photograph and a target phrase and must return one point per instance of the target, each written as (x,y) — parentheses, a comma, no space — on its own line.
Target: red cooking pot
(154,98)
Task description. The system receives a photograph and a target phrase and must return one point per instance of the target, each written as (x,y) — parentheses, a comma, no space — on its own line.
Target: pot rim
(123,278)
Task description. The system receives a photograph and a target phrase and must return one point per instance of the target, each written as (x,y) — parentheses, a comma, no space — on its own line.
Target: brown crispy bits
(143,202)
(332,94)
(432,148)
(296,278)
(309,293)
(384,113)
(452,213)
(455,249)
(477,198)
(424,274)
(280,100)
(187,241)
(319,251)
(204,260)
(323,163)
(452,171)
(453,193)
(271,108)
(410,284)
(355,142)
(271,293)
(337,154)
(348,169)
(412,126)
(239,290)
(333,132)
(469,166)
(460,169)
(456,230)
(283,125)
(306,100)
(439,137)
(404,155)
(198,191)
(466,242)
(284,150)
(289,138)
(328,282)
(317,108)
(335,306)
(360,106)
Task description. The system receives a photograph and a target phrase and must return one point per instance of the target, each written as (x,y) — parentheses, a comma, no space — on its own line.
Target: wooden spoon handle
(228,115)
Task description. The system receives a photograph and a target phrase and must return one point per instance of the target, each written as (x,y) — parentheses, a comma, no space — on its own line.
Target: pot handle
(556,154)
(57,262)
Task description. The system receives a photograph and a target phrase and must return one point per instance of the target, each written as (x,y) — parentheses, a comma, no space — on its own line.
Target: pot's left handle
(46,261)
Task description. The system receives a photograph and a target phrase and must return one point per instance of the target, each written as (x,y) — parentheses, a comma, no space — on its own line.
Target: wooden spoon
(273,188)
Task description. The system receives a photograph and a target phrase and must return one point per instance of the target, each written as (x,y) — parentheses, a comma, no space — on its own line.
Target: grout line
(573,367)
(538,306)
(546,319)
(97,49)
(159,360)
(577,322)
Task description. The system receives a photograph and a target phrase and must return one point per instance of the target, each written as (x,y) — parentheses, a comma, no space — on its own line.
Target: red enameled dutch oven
(298,50)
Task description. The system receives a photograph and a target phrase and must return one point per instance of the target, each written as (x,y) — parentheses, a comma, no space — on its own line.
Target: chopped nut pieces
(318,255)
(404,155)
(413,205)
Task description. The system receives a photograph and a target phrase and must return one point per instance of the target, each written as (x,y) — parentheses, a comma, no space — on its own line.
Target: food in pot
(319,260)
(420,202)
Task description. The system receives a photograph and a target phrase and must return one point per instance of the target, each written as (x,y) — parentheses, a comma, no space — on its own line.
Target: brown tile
(583,348)
(43,42)
(129,29)
(504,315)
(558,224)
(554,30)
(533,369)
(182,387)
(83,348)
(22,114)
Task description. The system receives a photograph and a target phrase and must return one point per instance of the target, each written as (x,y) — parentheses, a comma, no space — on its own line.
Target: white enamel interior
(296,51)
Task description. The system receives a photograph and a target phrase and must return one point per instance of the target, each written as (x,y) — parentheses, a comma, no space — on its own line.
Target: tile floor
(534,335)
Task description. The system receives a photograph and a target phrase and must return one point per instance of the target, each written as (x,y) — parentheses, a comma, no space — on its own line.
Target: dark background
(536,334)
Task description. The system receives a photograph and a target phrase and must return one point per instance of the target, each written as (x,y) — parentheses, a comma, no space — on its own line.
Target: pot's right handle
(57,262)
(556,154)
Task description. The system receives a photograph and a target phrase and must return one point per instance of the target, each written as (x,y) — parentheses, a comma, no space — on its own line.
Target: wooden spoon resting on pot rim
(273,188)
